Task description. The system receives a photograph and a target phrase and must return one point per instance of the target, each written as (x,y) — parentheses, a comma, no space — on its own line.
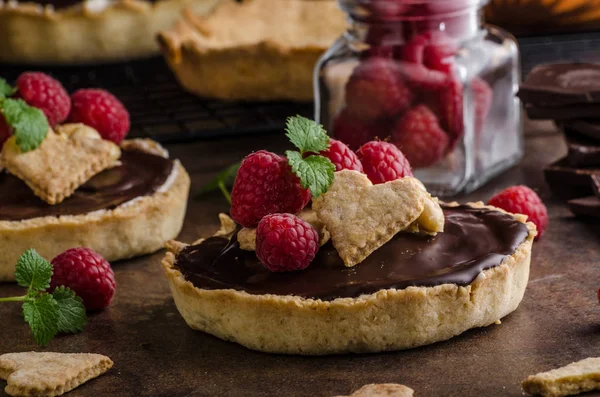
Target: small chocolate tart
(139,174)
(126,211)
(474,240)
(413,291)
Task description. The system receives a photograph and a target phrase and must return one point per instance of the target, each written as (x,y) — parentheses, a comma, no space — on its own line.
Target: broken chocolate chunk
(583,151)
(562,84)
(586,206)
(589,128)
(569,182)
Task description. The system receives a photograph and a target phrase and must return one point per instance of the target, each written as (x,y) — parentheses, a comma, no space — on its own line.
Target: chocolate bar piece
(562,84)
(569,182)
(589,128)
(586,206)
(569,112)
(583,151)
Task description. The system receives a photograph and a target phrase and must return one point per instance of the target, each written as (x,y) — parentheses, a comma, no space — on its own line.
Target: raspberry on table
(383,162)
(420,138)
(522,200)
(355,132)
(45,93)
(285,242)
(341,156)
(88,274)
(265,185)
(376,90)
(5,131)
(102,111)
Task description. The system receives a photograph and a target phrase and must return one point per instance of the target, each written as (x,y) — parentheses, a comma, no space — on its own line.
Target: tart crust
(122,29)
(137,227)
(261,50)
(390,319)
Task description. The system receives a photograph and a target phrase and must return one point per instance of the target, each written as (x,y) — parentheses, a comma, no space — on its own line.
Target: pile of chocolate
(569,94)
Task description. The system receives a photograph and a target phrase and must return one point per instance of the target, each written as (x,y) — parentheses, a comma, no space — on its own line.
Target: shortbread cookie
(255,50)
(49,374)
(383,390)
(578,377)
(361,217)
(64,161)
(247,236)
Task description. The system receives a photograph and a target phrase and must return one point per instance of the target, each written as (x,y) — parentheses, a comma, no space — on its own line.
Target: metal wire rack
(159,107)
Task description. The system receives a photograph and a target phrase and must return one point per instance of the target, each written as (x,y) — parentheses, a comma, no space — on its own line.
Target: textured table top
(156,354)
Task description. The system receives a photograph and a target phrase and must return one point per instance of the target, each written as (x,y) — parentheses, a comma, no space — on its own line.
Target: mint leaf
(71,312)
(306,134)
(33,271)
(29,124)
(315,172)
(41,314)
(5,88)
(222,181)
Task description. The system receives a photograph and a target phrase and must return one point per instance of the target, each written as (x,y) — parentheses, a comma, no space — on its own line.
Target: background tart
(89,31)
(258,50)
(114,214)
(367,317)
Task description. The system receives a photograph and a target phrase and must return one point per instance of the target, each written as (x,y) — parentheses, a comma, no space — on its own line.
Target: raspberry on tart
(383,161)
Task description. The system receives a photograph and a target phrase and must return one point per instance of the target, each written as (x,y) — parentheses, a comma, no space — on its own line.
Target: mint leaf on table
(306,135)
(29,124)
(33,271)
(222,181)
(314,171)
(6,89)
(71,311)
(47,314)
(41,313)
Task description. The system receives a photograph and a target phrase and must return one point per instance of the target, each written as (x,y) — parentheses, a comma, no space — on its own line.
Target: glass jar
(428,76)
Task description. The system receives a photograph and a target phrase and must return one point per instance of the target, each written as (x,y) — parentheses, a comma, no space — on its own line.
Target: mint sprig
(6,89)
(29,124)
(223,181)
(314,171)
(47,314)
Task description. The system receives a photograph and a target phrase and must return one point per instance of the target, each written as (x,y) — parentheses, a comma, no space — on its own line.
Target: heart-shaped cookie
(361,217)
(64,161)
(49,374)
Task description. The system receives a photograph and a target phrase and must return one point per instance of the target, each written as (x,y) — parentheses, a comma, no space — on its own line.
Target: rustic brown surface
(156,354)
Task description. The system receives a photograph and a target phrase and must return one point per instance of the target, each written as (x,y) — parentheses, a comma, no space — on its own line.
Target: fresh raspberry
(101,110)
(420,78)
(414,49)
(265,185)
(383,162)
(5,131)
(482,98)
(375,90)
(88,274)
(450,109)
(439,51)
(355,132)
(45,93)
(342,157)
(419,135)
(523,200)
(285,243)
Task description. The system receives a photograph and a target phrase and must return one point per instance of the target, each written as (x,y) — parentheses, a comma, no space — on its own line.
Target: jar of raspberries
(431,78)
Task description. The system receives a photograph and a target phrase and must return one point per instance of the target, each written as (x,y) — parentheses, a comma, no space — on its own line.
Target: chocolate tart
(86,31)
(413,291)
(257,50)
(122,212)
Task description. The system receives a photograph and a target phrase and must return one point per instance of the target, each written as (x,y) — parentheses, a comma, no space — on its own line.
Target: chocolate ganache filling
(140,174)
(473,240)
(62,4)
